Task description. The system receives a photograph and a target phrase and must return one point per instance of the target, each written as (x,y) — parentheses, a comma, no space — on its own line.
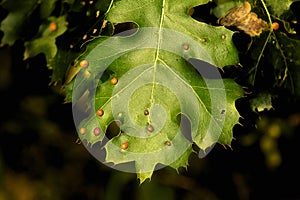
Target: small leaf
(45,42)
(262,102)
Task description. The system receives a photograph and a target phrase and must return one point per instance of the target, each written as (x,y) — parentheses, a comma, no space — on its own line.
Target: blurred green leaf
(278,7)
(45,41)
(46,8)
(13,24)
(262,102)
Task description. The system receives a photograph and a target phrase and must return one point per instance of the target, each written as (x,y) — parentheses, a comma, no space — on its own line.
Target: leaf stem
(265,44)
(281,52)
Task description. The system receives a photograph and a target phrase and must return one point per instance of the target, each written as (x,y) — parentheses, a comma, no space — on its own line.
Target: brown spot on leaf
(53,26)
(82,131)
(275,26)
(245,20)
(124,146)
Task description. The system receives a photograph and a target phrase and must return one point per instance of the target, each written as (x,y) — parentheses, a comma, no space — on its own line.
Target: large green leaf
(157,85)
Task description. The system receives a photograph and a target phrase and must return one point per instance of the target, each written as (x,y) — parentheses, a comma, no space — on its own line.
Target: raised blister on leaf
(53,26)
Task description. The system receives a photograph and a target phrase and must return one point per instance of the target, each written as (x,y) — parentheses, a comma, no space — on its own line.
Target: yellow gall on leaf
(82,131)
(114,81)
(124,146)
(275,26)
(53,26)
(100,112)
(84,63)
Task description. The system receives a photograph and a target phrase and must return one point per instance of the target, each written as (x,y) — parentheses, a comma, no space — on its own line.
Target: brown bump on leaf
(114,81)
(124,146)
(100,112)
(146,112)
(275,26)
(97,131)
(168,143)
(186,47)
(243,19)
(150,128)
(87,74)
(82,131)
(84,63)
(53,26)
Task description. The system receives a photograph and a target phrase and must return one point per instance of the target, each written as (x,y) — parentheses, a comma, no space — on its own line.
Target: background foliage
(39,155)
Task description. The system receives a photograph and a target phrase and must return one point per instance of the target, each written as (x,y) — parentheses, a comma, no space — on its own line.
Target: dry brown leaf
(245,20)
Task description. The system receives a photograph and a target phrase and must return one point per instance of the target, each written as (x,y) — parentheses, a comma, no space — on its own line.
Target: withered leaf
(245,20)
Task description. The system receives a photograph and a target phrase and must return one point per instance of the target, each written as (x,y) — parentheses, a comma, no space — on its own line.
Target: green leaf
(19,14)
(46,8)
(60,63)
(174,15)
(155,75)
(45,41)
(262,102)
(13,24)
(223,7)
(278,7)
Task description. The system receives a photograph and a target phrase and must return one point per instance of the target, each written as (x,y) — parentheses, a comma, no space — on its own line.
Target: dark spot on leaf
(100,112)
(150,128)
(186,47)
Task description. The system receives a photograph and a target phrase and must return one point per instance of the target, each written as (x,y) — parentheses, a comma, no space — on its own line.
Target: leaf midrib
(159,41)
